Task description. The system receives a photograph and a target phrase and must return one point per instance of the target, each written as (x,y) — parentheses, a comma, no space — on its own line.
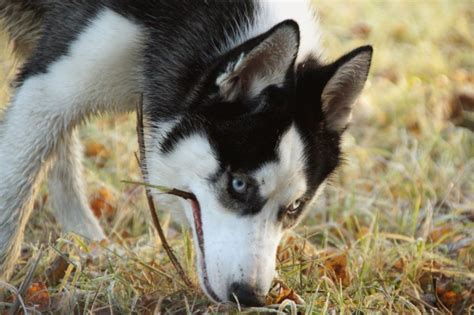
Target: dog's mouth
(200,240)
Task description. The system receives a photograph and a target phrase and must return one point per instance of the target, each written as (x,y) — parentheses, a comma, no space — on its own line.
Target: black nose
(246,295)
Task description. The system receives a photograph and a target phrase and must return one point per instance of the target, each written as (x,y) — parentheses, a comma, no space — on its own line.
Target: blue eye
(239,185)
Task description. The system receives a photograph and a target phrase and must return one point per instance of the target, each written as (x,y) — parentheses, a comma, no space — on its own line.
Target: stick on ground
(151,205)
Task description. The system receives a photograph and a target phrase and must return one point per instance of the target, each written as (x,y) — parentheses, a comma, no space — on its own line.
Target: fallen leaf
(399,265)
(440,232)
(335,263)
(97,151)
(465,96)
(454,292)
(281,292)
(459,108)
(414,128)
(102,203)
(37,294)
(453,112)
(292,247)
(57,270)
(94,149)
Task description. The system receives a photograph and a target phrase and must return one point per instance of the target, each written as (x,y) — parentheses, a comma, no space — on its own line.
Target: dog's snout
(245,294)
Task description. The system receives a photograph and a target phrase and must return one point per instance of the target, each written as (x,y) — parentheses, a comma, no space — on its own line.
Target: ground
(392,234)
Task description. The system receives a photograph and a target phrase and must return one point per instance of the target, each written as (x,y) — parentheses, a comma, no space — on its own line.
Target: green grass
(408,176)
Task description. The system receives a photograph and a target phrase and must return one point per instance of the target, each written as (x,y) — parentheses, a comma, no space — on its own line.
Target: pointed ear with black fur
(259,63)
(344,86)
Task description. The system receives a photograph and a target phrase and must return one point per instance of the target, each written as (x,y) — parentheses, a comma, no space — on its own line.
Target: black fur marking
(322,146)
(242,142)
(323,152)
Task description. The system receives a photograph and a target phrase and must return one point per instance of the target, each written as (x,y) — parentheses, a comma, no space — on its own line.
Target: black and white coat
(240,109)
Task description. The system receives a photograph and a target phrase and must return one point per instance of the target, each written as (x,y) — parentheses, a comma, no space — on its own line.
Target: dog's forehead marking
(285,178)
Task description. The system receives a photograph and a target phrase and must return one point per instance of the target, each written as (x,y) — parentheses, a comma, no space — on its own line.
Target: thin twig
(165,190)
(151,205)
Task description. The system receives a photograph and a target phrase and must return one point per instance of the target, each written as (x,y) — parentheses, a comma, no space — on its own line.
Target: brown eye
(294,207)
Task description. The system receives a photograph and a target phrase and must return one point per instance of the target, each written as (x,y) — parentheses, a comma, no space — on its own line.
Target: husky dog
(240,109)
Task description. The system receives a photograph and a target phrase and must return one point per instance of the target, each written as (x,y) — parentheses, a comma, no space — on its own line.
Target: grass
(392,234)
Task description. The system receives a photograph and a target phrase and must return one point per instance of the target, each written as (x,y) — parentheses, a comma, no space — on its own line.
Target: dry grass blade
(151,205)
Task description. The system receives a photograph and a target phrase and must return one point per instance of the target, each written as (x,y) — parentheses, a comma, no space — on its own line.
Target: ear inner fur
(344,87)
(264,65)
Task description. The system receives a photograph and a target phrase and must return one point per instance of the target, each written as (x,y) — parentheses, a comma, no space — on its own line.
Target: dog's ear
(345,82)
(262,61)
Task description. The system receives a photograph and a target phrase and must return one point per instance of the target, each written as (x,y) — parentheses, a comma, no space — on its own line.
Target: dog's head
(255,147)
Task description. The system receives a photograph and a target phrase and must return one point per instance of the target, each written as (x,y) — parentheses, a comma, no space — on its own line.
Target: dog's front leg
(33,127)
(66,191)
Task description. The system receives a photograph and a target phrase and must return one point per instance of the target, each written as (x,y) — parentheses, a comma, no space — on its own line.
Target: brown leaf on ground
(465,96)
(440,233)
(292,247)
(459,108)
(37,294)
(400,264)
(281,292)
(414,127)
(102,203)
(97,151)
(335,264)
(455,294)
(55,273)
(453,112)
